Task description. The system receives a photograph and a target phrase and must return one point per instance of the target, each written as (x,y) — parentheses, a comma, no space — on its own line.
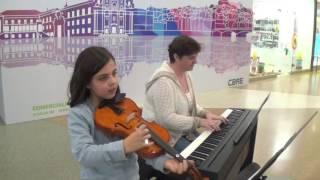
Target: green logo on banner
(49,109)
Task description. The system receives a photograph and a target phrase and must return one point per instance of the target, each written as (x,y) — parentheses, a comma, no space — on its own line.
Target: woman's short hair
(183,46)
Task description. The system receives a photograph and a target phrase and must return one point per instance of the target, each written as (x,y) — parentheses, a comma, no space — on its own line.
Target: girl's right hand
(175,166)
(136,140)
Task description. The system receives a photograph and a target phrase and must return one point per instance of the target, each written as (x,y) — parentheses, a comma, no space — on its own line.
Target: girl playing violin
(102,156)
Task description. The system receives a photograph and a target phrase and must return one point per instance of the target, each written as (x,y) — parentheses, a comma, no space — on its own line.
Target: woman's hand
(210,124)
(175,166)
(136,140)
(212,116)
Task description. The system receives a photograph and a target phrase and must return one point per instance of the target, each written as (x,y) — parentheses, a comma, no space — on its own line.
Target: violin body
(125,123)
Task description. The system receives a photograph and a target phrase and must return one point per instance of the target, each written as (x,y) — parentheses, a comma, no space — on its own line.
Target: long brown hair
(88,63)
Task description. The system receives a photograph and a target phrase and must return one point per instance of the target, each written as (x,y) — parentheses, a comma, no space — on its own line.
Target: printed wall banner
(40,44)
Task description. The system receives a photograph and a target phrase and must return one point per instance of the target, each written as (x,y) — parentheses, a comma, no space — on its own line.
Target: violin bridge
(130,117)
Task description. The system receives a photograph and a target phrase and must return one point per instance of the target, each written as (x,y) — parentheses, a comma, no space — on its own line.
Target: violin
(125,123)
(122,119)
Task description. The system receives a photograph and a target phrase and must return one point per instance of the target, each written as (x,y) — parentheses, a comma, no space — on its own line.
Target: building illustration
(121,17)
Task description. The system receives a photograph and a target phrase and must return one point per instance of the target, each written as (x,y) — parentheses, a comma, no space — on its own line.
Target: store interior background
(285,35)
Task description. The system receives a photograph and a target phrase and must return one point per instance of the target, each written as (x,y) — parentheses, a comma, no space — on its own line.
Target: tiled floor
(36,150)
(40,149)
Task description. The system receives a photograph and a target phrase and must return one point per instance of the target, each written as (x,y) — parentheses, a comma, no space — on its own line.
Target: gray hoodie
(101,156)
(168,105)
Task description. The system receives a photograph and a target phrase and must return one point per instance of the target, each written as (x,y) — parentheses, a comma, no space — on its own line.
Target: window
(6,36)
(50,19)
(72,31)
(68,14)
(12,21)
(83,31)
(31,21)
(89,10)
(89,30)
(83,11)
(89,20)
(78,13)
(27,35)
(5,28)
(78,22)
(19,21)
(68,23)
(78,31)
(12,36)
(20,35)
(83,21)
(72,22)
(25,21)
(6,22)
(72,14)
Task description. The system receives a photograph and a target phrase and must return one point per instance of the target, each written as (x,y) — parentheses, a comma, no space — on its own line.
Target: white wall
(26,88)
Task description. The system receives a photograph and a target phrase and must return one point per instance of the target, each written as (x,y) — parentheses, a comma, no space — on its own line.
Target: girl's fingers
(191,162)
(147,136)
(142,126)
(185,165)
(150,143)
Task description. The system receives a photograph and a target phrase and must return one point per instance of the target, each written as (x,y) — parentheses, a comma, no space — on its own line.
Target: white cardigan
(166,104)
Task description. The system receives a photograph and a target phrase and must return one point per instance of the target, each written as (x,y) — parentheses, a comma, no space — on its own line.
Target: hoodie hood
(164,71)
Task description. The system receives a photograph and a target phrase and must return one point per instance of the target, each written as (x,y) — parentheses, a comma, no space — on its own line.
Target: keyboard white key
(203,136)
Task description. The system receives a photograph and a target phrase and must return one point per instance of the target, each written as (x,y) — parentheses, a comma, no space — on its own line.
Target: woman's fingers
(215,125)
(224,120)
